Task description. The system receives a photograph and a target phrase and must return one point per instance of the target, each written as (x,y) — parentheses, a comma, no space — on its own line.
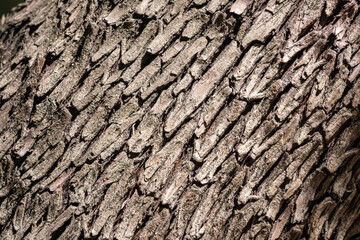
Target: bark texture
(180,119)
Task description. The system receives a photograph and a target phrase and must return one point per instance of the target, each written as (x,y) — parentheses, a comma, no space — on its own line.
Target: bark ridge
(179,119)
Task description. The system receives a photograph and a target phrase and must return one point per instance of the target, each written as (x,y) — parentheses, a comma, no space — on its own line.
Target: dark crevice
(57,233)
(27,93)
(50,59)
(23,62)
(253,220)
(28,231)
(329,43)
(283,206)
(141,227)
(171,222)
(232,175)
(16,28)
(248,160)
(285,182)
(356,236)
(307,29)
(33,28)
(270,170)
(73,111)
(226,133)
(284,67)
(83,77)
(238,23)
(324,21)
(339,132)
(147,59)
(81,44)
(227,40)
(143,24)
(197,166)
(18,161)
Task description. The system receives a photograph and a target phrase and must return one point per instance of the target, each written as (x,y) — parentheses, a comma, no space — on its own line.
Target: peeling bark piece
(118,13)
(61,179)
(280,224)
(49,159)
(335,123)
(330,7)
(242,217)
(95,124)
(178,182)
(315,120)
(199,2)
(140,43)
(203,61)
(246,65)
(183,84)
(150,123)
(155,7)
(133,216)
(174,69)
(143,77)
(306,195)
(114,197)
(265,24)
(51,78)
(215,5)
(274,206)
(60,221)
(268,159)
(214,225)
(201,89)
(178,8)
(173,51)
(141,8)
(162,39)
(261,133)
(156,228)
(196,228)
(194,26)
(334,94)
(294,48)
(206,173)
(339,153)
(285,107)
(118,127)
(319,216)
(227,117)
(339,214)
(20,214)
(355,74)
(164,161)
(212,107)
(108,47)
(186,207)
(150,119)
(239,6)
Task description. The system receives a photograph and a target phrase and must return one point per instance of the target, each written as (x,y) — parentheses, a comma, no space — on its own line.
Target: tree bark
(180,119)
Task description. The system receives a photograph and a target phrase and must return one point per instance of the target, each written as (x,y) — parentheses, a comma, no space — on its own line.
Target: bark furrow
(158,119)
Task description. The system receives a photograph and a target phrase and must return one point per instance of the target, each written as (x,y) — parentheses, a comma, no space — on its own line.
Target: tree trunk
(180,119)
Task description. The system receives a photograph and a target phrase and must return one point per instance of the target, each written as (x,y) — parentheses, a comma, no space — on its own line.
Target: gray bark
(180,119)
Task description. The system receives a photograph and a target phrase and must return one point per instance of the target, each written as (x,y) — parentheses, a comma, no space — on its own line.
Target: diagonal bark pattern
(158,119)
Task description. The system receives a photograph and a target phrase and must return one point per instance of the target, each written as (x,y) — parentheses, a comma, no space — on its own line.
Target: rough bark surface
(180,119)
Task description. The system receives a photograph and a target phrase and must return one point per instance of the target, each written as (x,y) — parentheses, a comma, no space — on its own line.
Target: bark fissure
(204,119)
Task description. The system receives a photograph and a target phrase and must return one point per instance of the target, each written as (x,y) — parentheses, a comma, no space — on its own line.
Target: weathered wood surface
(158,119)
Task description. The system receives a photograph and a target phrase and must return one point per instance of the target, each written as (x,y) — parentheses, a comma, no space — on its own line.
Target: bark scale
(180,119)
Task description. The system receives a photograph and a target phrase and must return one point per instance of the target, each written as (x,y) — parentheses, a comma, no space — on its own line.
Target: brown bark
(158,119)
